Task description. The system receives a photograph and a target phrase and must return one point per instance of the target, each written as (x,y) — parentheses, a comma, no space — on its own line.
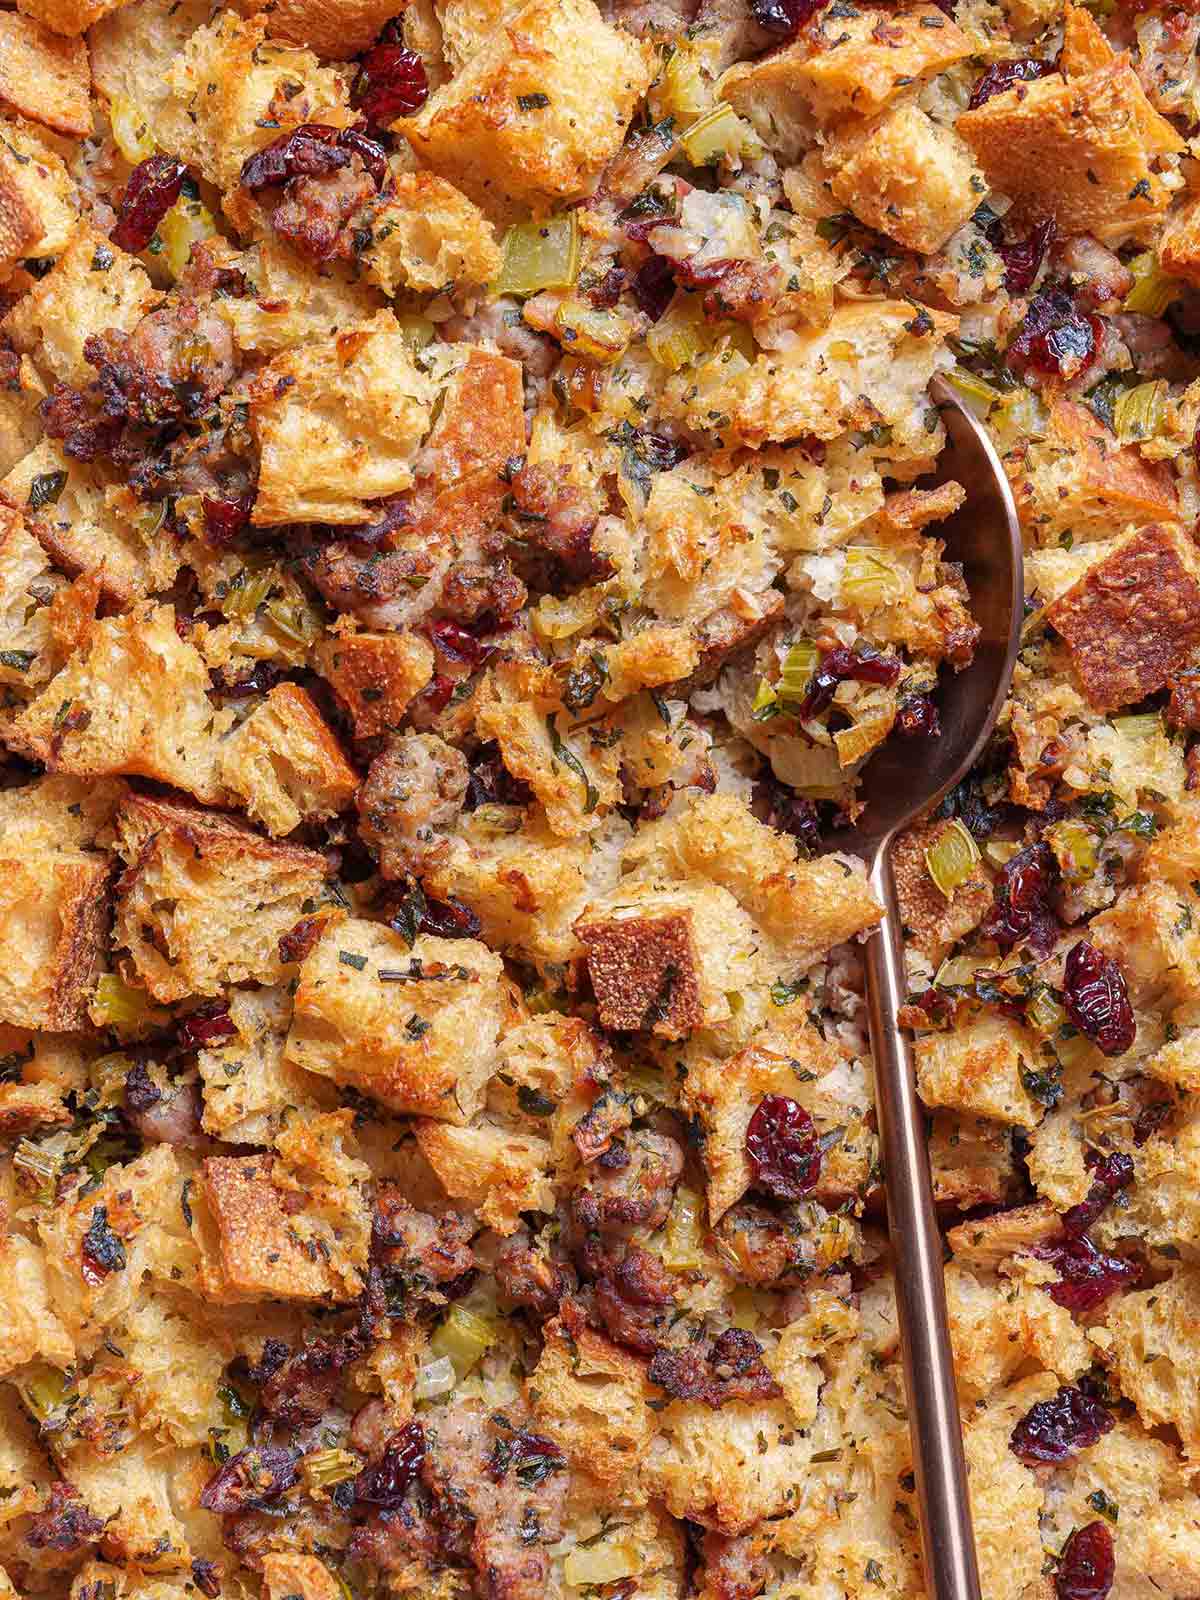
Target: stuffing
(204,901)
(285,305)
(590,1396)
(428,236)
(29,1329)
(376,676)
(1150,1351)
(933,920)
(133,1495)
(981,1067)
(1006,1500)
(533,116)
(1179,243)
(997,1328)
(287,1576)
(26,584)
(1153,933)
(335,30)
(69,17)
(132,50)
(284,764)
(856,65)
(500,1174)
(413,1026)
(44,76)
(173,1365)
(247,1083)
(37,213)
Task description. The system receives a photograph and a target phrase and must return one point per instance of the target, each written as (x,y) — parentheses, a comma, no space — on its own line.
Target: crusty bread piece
(1006,1498)
(133,1492)
(533,116)
(334,29)
(1179,242)
(249,1088)
(996,1328)
(286,304)
(44,76)
(37,215)
(420,1038)
(590,1396)
(1153,934)
(855,63)
(428,236)
(1152,1354)
(980,1068)
(29,1329)
(498,1173)
(69,17)
(287,1573)
(764,92)
(26,584)
(204,900)
(375,675)
(284,764)
(932,920)
(132,50)
(338,423)
(133,700)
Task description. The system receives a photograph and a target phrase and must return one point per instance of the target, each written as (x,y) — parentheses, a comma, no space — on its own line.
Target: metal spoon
(900,784)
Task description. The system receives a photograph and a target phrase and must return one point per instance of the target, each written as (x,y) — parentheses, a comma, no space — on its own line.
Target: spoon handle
(951,1572)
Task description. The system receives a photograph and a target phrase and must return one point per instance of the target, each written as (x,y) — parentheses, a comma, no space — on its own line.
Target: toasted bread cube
(174,1366)
(995,1329)
(133,700)
(69,17)
(54,911)
(289,1576)
(764,91)
(1152,1352)
(29,1329)
(972,1162)
(248,1085)
(989,1242)
(376,675)
(132,1492)
(590,1396)
(334,29)
(1133,620)
(1080,480)
(38,208)
(906,176)
(92,286)
(205,901)
(25,574)
(862,61)
(1006,1498)
(429,237)
(44,76)
(1179,242)
(1153,934)
(498,1173)
(1078,150)
(338,423)
(285,765)
(415,1029)
(531,119)
(666,956)
(933,921)
(292,305)
(132,51)
(980,1067)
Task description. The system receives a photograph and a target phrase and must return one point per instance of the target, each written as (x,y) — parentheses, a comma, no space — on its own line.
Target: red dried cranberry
(1086,1276)
(491,783)
(788,812)
(394,512)
(1023,258)
(141,1091)
(997,79)
(783,1149)
(654,286)
(310,151)
(531,1456)
(918,718)
(1055,1430)
(1087,1565)
(1112,1173)
(225,519)
(101,1251)
(390,83)
(837,665)
(251,1479)
(1055,336)
(207,1578)
(449,919)
(152,190)
(386,1481)
(1020,911)
(1097,1000)
(368,150)
(784,17)
(206,1026)
(262,677)
(436,694)
(607,291)
(453,640)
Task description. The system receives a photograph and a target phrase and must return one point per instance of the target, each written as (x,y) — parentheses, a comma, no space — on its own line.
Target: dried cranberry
(835,667)
(102,1251)
(449,919)
(1087,1565)
(436,694)
(788,812)
(386,1481)
(532,1456)
(453,640)
(206,1026)
(918,718)
(225,519)
(1023,258)
(141,1091)
(368,150)
(1055,1430)
(152,190)
(263,676)
(1097,1000)
(1112,1173)
(491,783)
(394,512)
(1020,911)
(1001,77)
(654,286)
(783,1149)
(784,17)
(251,1479)
(1055,336)
(390,83)
(310,151)
(1086,1275)
(605,293)
(207,1578)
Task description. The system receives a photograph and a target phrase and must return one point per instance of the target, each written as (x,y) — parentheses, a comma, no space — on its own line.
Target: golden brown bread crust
(43,76)
(644,972)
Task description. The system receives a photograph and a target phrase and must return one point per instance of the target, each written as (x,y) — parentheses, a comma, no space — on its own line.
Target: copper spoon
(901,783)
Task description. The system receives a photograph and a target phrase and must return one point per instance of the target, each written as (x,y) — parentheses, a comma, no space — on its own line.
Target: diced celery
(868,581)
(416,331)
(680,335)
(1144,726)
(684,91)
(324,1468)
(683,1247)
(585,331)
(1153,289)
(539,255)
(798,667)
(720,132)
(43,1389)
(246,592)
(464,1338)
(117,1004)
(766,701)
(1075,848)
(953,858)
(979,395)
(1138,413)
(131,134)
(1044,1013)
(435,1378)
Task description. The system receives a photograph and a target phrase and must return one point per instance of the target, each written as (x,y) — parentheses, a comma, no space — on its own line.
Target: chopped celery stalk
(131,135)
(463,1337)
(1145,726)
(435,1378)
(539,255)
(956,972)
(43,1389)
(744,1309)
(416,332)
(599,335)
(1153,289)
(117,1004)
(498,818)
(296,622)
(1074,846)
(766,701)
(953,859)
(607,1562)
(720,132)
(685,90)
(868,580)
(683,1247)
(1138,413)
(543,1001)
(1044,1014)
(680,334)
(798,667)
(323,1468)
(246,592)
(185,224)
(980,395)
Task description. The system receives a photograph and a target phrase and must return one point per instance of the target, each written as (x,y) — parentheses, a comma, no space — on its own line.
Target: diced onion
(953,859)
(607,1562)
(766,701)
(1145,726)
(1153,289)
(585,331)
(683,1248)
(117,1004)
(539,255)
(680,335)
(979,395)
(463,1337)
(43,1389)
(798,667)
(1074,846)
(416,332)
(1138,413)
(185,224)
(435,1378)
(131,134)
(720,132)
(1044,1014)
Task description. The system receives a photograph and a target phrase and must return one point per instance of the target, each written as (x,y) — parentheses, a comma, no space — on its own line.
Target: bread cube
(415,1029)
(133,700)
(906,176)
(286,304)
(26,582)
(1133,620)
(990,1242)
(981,1067)
(996,1328)
(174,1366)
(1153,1354)
(133,1493)
(338,424)
(533,116)
(764,91)
(1078,150)
(54,913)
(335,29)
(290,1576)
(132,51)
(205,901)
(429,237)
(29,1329)
(666,956)
(1179,242)
(1153,934)
(590,1396)
(69,17)
(1006,1498)
(972,1162)
(247,1083)
(375,675)
(37,210)
(285,765)
(499,1174)
(858,62)
(933,921)
(44,76)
